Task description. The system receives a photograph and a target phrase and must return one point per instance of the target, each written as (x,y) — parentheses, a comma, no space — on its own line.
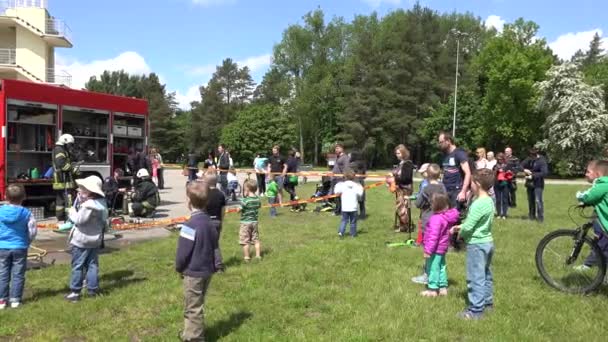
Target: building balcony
(59,77)
(8,56)
(58,33)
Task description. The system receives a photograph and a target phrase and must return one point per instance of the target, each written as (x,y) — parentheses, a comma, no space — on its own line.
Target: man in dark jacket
(536,169)
(223,164)
(340,166)
(359,166)
(192,165)
(194,260)
(145,199)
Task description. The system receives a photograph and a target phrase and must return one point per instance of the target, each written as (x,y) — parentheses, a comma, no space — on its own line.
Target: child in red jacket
(436,242)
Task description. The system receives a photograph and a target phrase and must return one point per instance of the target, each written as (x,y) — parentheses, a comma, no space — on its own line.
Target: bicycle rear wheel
(561,264)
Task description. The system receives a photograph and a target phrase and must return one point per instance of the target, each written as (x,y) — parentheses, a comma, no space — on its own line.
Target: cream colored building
(28,38)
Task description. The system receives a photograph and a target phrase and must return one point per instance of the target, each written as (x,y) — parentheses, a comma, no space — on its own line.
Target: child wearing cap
(86,237)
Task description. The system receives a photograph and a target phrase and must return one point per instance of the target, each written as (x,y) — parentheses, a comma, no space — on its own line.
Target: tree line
(375,82)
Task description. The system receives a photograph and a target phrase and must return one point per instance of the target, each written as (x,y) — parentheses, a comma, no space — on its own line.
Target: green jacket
(597,196)
(272,189)
(477,227)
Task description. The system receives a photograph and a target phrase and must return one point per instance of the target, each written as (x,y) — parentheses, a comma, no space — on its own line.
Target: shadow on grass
(225,327)
(238,260)
(108,283)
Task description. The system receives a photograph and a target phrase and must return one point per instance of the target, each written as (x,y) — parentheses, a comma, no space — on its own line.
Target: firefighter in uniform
(64,175)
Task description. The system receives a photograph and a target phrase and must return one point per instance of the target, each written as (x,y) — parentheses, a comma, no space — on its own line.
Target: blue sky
(183,40)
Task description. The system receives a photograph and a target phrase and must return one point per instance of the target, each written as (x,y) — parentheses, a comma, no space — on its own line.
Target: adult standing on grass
(338,169)
(536,169)
(359,166)
(456,170)
(404,180)
(291,181)
(277,168)
(514,165)
(259,164)
(223,164)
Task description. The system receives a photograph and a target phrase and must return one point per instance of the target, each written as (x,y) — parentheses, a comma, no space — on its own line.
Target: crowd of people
(458,201)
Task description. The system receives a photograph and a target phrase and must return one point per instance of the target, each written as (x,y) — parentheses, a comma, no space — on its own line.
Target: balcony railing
(9,4)
(58,77)
(7,56)
(58,27)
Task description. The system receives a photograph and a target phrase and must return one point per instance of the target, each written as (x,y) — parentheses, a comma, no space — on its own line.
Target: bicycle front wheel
(561,263)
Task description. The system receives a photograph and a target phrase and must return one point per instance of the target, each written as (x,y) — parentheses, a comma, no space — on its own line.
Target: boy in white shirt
(350,193)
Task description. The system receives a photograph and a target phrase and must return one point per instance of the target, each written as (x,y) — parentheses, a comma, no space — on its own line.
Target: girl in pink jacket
(436,242)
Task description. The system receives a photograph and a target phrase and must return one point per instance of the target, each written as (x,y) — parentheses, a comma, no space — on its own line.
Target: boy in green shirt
(596,196)
(248,232)
(272,189)
(476,231)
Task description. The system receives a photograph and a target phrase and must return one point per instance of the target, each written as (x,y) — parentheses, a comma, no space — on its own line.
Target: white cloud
(495,21)
(184,100)
(377,3)
(207,3)
(204,72)
(256,63)
(129,61)
(567,44)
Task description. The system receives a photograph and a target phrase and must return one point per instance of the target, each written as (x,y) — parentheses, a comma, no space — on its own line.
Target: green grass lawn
(311,286)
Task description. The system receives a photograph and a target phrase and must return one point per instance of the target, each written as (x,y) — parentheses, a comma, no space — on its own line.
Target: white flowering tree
(576,125)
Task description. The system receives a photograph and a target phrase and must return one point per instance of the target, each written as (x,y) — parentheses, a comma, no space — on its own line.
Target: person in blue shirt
(456,170)
(259,164)
(17,230)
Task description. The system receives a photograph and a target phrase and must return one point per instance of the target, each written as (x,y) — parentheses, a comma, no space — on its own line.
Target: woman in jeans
(403,176)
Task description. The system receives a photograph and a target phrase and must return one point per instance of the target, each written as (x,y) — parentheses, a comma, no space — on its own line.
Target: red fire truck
(34,115)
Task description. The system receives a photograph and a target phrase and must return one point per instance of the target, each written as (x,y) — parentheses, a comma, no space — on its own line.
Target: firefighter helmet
(65,139)
(143,173)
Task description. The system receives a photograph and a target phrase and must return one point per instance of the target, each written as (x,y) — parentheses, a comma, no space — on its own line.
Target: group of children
(439,224)
(18,230)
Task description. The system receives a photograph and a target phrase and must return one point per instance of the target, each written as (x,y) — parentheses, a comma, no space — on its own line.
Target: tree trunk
(316,154)
(301,139)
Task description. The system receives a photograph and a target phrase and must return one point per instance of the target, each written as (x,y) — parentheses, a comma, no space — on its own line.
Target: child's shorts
(233,185)
(248,233)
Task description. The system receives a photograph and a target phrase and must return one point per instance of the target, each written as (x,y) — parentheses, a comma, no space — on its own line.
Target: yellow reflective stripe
(66,167)
(60,154)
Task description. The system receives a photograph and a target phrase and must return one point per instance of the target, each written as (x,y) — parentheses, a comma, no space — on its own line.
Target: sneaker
(582,268)
(15,305)
(443,291)
(2,304)
(72,297)
(65,227)
(469,315)
(488,308)
(341,235)
(247,260)
(421,279)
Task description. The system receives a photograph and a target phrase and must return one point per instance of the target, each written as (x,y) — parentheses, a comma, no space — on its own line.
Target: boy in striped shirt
(248,232)
(476,231)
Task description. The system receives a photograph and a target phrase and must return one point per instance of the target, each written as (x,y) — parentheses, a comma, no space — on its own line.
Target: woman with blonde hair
(403,180)
(481,162)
